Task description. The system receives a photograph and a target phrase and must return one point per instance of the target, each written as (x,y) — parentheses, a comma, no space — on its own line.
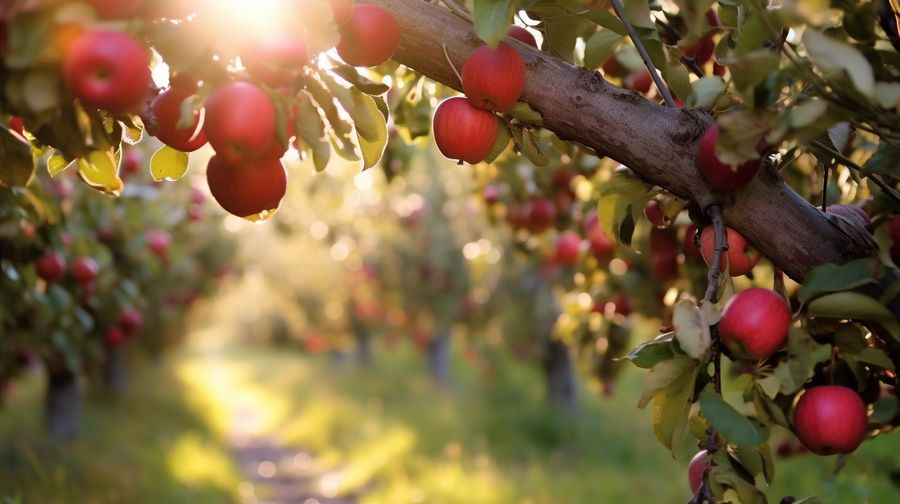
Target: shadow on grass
(146,446)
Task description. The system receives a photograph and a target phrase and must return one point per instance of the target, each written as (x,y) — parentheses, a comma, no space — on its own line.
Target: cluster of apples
(109,70)
(493,80)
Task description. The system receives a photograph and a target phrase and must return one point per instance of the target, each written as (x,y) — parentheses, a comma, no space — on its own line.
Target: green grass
(147,446)
(390,436)
(384,434)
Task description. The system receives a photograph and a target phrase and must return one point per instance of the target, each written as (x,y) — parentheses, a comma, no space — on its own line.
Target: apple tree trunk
(559,375)
(439,357)
(63,405)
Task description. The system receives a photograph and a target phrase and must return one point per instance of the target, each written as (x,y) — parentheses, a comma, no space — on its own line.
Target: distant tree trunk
(63,407)
(115,370)
(363,347)
(560,377)
(339,358)
(439,357)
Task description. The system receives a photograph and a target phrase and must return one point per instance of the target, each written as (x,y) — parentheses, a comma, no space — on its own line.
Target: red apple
(567,248)
(131,320)
(696,469)
(654,213)
(702,50)
(195,212)
(522,35)
(740,257)
(723,177)
(755,323)
(463,132)
(540,214)
(493,79)
(852,213)
(491,194)
(84,270)
(343,11)
(369,38)
(830,419)
(612,68)
(247,190)
(690,248)
(167,111)
(197,196)
(108,9)
(158,241)
(16,124)
(107,70)
(640,81)
(51,267)
(240,122)
(131,161)
(114,337)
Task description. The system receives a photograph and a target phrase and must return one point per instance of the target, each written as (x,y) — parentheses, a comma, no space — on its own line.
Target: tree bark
(658,143)
(115,370)
(559,374)
(363,347)
(63,405)
(439,357)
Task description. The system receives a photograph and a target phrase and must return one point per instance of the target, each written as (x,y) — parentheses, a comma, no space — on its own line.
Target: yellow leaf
(168,164)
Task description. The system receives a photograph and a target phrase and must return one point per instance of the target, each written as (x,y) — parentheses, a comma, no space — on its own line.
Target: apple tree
(769,127)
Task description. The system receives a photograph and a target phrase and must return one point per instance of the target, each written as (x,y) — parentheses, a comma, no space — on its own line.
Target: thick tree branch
(657,142)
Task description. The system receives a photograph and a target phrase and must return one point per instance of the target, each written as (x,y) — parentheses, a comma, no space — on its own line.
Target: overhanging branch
(657,143)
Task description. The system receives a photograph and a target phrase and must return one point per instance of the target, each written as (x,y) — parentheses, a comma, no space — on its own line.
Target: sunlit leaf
(168,164)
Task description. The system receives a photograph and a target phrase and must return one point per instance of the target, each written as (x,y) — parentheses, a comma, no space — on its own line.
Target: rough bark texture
(656,142)
(63,408)
(115,370)
(439,357)
(559,373)
(363,347)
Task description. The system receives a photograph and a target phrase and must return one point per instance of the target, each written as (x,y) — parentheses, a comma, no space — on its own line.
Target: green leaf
(671,410)
(311,129)
(351,75)
(16,160)
(492,19)
(733,426)
(691,329)
(849,304)
(665,374)
(832,278)
(876,357)
(705,92)
(100,170)
(620,197)
(650,353)
(834,56)
(599,47)
(885,161)
(754,67)
(57,164)
(524,113)
(168,164)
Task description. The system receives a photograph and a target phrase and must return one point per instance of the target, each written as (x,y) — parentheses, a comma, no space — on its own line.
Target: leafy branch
(632,34)
(714,276)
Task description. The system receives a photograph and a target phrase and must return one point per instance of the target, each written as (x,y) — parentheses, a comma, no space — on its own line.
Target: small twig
(660,85)
(447,55)
(704,493)
(825,170)
(844,160)
(721,245)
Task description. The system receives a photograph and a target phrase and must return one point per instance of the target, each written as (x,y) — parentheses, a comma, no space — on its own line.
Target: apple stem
(825,173)
(660,85)
(455,71)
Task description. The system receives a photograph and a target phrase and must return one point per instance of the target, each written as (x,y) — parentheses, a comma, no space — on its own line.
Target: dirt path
(274,473)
